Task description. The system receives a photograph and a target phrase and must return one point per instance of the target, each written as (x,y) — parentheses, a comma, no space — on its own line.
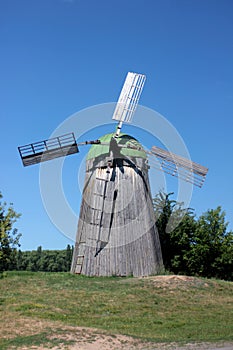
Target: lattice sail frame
(129,97)
(178,166)
(42,151)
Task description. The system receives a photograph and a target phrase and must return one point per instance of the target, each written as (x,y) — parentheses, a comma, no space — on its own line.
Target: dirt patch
(176,281)
(93,339)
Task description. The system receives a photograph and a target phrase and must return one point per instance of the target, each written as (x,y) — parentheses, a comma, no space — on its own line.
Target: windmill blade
(178,166)
(42,151)
(129,97)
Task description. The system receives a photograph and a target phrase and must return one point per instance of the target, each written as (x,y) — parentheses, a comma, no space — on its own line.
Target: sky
(65,61)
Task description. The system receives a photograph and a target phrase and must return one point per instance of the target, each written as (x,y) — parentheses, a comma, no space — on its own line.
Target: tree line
(191,246)
(41,260)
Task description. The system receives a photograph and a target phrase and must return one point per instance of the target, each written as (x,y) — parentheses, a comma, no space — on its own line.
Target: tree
(191,246)
(211,253)
(224,262)
(163,208)
(69,254)
(181,239)
(175,227)
(9,236)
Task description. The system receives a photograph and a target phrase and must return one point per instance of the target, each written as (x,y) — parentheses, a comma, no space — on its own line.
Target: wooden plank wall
(131,242)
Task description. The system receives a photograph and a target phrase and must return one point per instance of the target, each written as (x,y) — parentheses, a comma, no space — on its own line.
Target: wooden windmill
(116,230)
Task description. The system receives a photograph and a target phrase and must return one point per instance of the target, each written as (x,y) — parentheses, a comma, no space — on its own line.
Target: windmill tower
(116,232)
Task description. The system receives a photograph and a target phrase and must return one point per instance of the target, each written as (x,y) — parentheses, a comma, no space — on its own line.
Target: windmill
(116,232)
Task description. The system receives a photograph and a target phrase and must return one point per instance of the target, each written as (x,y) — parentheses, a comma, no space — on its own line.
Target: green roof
(124,139)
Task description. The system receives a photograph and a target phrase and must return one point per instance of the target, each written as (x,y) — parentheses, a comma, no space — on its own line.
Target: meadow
(38,309)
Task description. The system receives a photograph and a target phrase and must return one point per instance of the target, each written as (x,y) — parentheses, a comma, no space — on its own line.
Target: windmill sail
(129,97)
(42,151)
(178,166)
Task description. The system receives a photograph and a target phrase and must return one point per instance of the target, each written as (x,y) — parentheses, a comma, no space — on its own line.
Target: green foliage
(44,260)
(175,226)
(193,246)
(9,236)
(211,253)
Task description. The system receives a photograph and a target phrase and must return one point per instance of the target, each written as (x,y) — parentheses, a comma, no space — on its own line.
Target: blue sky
(59,57)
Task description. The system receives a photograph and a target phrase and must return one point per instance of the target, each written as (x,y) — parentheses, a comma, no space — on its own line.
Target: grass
(32,305)
(33,341)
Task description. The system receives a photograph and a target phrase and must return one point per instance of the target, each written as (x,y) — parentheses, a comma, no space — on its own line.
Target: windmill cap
(124,140)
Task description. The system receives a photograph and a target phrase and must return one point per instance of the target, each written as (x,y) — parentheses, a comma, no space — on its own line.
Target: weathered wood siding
(116,232)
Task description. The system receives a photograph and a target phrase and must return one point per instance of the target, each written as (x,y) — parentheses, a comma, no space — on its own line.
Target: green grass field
(156,309)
